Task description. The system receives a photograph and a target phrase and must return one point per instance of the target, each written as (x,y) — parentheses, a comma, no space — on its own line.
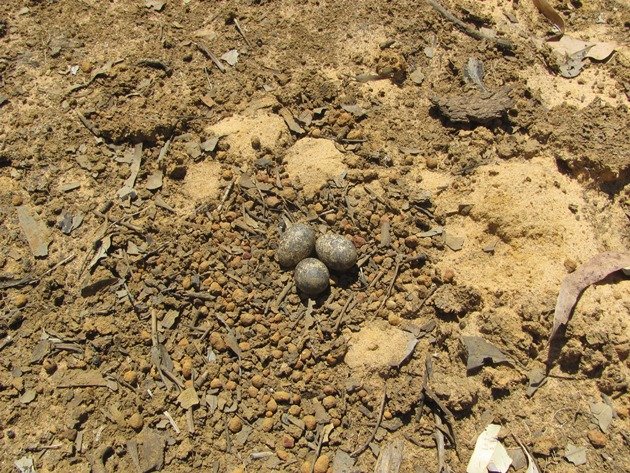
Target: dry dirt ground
(144,321)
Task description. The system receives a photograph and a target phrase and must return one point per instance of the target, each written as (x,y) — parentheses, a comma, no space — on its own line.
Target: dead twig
(89,125)
(469,30)
(363,447)
(241,32)
(226,194)
(343,312)
(399,261)
(211,56)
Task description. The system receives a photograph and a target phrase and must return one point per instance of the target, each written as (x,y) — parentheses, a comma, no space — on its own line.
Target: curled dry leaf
(552,15)
(595,269)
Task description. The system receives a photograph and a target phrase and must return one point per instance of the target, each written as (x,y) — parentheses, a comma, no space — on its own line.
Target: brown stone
(597,438)
(321,465)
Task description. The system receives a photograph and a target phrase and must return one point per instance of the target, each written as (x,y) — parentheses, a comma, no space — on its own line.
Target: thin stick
(391,284)
(226,194)
(318,450)
(190,420)
(469,30)
(276,305)
(343,312)
(62,262)
(172,422)
(210,56)
(242,33)
(362,448)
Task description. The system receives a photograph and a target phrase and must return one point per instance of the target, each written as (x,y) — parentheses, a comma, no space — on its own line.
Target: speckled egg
(311,276)
(336,252)
(296,243)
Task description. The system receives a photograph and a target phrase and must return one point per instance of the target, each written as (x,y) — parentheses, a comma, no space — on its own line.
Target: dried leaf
(474,72)
(594,270)
(343,462)
(568,46)
(537,378)
(156,5)
(411,345)
(417,77)
(455,243)
(103,248)
(290,121)
(231,57)
(603,414)
(574,454)
(136,158)
(572,65)
(532,466)
(25,465)
(479,353)
(28,396)
(489,453)
(210,144)
(169,319)
(97,286)
(355,110)
(154,181)
(430,233)
(390,458)
(552,15)
(188,398)
(35,231)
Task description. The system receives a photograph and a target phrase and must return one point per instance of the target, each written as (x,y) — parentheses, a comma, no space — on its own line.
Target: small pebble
(448,275)
(310,422)
(311,276)
(247,319)
(130,377)
(272,405)
(296,243)
(20,300)
(282,396)
(257,381)
(187,365)
(235,425)
(17,200)
(136,421)
(267,424)
(322,464)
(288,441)
(597,438)
(336,252)
(329,402)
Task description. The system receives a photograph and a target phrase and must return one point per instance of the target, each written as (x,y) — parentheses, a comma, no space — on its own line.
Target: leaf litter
(594,270)
(489,454)
(35,231)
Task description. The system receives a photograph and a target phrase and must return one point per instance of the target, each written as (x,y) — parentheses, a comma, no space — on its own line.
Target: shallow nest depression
(224,347)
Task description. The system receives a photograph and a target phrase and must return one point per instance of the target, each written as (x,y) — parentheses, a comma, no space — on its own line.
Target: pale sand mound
(203,181)
(539,220)
(314,161)
(377,346)
(238,131)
